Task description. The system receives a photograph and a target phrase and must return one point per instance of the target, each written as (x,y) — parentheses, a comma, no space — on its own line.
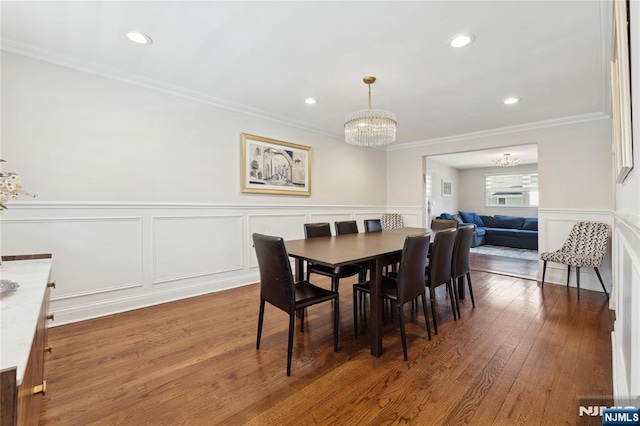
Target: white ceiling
(266,57)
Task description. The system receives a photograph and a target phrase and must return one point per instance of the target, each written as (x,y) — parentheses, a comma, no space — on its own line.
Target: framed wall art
(270,166)
(447,188)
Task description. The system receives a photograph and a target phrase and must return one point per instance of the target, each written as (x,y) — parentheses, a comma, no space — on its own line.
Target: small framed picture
(446,188)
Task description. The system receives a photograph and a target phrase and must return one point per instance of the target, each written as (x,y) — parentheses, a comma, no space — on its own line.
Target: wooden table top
(351,248)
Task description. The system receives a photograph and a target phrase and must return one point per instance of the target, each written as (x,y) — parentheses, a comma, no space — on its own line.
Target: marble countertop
(19,311)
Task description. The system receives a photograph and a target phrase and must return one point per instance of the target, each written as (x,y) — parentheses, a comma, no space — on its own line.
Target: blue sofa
(498,230)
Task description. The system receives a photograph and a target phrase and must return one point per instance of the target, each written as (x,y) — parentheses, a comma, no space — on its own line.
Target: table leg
(375,333)
(299,269)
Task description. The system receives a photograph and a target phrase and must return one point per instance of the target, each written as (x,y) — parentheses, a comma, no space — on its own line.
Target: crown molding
(34,52)
(595,116)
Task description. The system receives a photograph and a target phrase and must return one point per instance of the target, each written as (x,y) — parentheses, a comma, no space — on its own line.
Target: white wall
(140,200)
(626,241)
(472,196)
(74,136)
(437,173)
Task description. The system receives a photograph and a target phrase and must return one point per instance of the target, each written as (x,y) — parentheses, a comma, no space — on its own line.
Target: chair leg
(544,272)
(456,296)
(292,324)
(356,295)
(335,282)
(569,274)
(578,281)
(336,323)
(433,310)
(473,302)
(453,303)
(260,320)
(426,317)
(601,283)
(403,334)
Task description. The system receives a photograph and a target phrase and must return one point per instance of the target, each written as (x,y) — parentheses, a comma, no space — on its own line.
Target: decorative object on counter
(7,287)
(370,127)
(11,187)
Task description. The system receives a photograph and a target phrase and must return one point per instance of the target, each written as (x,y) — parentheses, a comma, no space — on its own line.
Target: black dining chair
(439,270)
(322,229)
(460,263)
(440,224)
(346,227)
(277,288)
(408,286)
(372,225)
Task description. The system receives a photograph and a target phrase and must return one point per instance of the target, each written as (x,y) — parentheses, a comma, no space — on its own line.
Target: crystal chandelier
(370,127)
(507,161)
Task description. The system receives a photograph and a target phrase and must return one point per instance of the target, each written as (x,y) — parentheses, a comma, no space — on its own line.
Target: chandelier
(370,127)
(507,161)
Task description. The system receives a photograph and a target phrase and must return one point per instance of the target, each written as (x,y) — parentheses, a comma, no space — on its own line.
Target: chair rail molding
(112,257)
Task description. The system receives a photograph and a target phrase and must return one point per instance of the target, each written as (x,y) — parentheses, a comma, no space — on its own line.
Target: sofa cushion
(480,232)
(527,235)
(508,222)
(501,232)
(458,218)
(447,216)
(487,221)
(530,224)
(467,217)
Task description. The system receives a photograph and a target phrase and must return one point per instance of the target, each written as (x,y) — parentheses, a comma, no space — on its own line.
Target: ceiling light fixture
(138,37)
(370,127)
(462,40)
(511,101)
(310,101)
(507,161)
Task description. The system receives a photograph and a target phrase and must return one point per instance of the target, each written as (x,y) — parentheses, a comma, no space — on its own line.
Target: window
(513,190)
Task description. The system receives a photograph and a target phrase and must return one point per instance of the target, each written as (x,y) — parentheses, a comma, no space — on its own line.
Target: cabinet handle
(50,316)
(52,284)
(49,349)
(40,388)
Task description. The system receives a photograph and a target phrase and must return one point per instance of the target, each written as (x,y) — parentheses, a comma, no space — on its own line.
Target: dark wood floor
(522,356)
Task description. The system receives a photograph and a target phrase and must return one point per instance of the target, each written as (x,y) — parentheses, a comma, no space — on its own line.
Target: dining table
(378,249)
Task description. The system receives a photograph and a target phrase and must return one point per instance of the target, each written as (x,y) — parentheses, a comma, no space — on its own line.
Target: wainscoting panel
(553,229)
(114,257)
(626,300)
(192,246)
(92,255)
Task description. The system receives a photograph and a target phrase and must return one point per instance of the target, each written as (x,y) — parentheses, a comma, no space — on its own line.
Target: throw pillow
(467,217)
(477,220)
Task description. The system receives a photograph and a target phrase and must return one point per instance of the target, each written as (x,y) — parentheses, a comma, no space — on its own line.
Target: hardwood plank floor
(521,356)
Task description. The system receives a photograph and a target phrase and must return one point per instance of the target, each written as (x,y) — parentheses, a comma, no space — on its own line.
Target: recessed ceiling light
(462,40)
(310,101)
(511,101)
(138,37)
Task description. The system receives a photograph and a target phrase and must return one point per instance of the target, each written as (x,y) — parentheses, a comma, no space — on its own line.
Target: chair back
(440,258)
(276,279)
(312,230)
(461,249)
(439,224)
(588,238)
(372,225)
(412,266)
(346,227)
(392,221)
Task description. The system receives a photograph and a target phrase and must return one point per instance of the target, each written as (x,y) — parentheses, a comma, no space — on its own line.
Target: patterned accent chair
(586,246)
(392,221)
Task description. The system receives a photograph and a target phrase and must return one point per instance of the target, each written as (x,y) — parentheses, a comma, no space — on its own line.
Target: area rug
(514,253)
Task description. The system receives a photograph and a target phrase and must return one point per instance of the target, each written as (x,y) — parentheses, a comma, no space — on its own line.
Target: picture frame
(621,92)
(270,166)
(447,188)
